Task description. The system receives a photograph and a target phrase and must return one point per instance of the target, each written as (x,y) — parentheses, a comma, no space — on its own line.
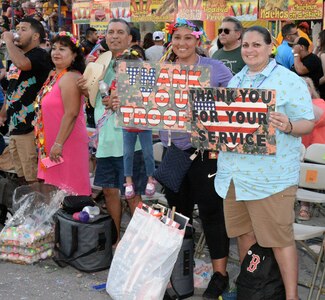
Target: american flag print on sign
(238,123)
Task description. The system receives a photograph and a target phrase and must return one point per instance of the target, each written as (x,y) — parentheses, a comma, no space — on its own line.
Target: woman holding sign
(197,186)
(259,190)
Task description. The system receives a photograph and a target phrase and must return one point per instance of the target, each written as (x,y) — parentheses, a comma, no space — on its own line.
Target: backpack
(260,277)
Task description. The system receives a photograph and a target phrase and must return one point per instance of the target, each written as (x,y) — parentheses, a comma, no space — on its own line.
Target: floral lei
(38,121)
(199,33)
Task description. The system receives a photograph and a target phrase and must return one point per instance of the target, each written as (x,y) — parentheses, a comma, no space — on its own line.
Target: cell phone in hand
(48,163)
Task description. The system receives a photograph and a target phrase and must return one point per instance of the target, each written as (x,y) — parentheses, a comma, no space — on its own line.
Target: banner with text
(233,120)
(156,96)
(241,9)
(290,9)
(153,10)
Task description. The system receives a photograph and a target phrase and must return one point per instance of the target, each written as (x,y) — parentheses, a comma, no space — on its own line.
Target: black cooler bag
(85,246)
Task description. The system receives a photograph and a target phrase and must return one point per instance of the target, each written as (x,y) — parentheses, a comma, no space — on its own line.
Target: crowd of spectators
(236,67)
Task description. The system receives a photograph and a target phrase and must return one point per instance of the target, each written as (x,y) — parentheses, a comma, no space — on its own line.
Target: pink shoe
(129,191)
(150,189)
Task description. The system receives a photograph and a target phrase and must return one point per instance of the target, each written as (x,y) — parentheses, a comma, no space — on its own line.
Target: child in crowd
(129,139)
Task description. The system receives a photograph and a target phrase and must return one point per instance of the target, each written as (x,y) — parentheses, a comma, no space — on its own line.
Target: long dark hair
(79,62)
(322,41)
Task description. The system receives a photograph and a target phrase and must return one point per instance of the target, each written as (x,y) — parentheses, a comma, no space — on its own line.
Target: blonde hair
(314,94)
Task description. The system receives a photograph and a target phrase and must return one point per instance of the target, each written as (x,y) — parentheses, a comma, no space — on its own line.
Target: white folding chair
(302,152)
(302,233)
(158,150)
(312,177)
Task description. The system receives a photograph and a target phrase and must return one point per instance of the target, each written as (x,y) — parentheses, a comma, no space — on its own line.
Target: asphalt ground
(45,280)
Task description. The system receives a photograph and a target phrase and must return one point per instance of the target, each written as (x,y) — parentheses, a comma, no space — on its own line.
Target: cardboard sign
(155,96)
(230,119)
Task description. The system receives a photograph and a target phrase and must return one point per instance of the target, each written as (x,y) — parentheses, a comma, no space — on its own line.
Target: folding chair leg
(321,283)
(200,246)
(313,283)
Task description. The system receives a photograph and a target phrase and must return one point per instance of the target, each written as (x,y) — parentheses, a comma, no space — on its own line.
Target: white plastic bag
(144,259)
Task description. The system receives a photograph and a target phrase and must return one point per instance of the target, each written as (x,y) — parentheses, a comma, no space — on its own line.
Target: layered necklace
(38,121)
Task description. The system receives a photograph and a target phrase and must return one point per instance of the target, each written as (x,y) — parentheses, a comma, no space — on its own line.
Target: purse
(174,167)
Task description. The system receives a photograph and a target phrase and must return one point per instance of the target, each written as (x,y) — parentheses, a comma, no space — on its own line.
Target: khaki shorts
(270,218)
(24,156)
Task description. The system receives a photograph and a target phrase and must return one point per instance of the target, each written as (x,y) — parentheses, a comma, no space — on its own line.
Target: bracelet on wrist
(291,127)
(58,145)
(296,55)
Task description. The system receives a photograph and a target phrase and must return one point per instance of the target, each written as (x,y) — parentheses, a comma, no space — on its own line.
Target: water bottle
(103,88)
(92,211)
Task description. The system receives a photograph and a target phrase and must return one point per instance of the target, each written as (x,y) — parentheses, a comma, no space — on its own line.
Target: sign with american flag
(156,95)
(230,119)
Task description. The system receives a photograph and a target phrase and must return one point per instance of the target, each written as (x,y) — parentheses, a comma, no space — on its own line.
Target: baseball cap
(158,36)
(304,25)
(303,42)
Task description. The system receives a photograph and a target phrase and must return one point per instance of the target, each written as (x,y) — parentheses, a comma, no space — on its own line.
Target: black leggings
(198,189)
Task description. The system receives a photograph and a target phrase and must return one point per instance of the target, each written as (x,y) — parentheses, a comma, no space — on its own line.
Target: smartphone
(48,163)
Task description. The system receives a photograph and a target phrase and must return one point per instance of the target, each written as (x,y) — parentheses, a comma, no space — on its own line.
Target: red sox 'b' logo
(254,263)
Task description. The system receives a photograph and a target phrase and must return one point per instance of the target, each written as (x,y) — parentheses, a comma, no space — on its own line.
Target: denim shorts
(110,173)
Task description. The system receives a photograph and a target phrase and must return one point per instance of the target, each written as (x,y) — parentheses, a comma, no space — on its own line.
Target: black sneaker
(217,285)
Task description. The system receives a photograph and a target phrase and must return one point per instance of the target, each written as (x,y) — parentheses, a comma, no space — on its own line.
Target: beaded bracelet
(291,127)
(61,146)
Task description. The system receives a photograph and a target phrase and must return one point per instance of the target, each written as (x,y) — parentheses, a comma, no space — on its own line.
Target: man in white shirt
(155,52)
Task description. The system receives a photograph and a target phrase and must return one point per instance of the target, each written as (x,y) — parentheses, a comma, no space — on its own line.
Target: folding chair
(158,150)
(306,232)
(312,177)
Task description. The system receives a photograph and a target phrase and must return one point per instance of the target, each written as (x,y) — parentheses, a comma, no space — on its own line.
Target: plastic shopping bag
(144,259)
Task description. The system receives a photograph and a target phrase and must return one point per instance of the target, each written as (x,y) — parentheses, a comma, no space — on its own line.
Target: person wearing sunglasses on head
(230,33)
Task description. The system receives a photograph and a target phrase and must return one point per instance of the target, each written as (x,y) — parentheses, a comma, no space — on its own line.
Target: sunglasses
(225,30)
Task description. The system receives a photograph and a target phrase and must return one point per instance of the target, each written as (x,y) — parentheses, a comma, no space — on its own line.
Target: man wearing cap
(230,32)
(304,26)
(305,63)
(155,52)
(284,55)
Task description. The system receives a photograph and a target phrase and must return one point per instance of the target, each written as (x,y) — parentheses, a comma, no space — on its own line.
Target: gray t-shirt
(232,59)
(154,53)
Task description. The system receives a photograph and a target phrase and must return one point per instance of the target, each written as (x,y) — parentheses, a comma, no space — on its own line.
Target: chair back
(158,149)
(315,153)
(312,176)
(302,152)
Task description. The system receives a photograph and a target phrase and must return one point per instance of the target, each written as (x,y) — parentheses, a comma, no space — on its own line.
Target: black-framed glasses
(225,30)
(294,33)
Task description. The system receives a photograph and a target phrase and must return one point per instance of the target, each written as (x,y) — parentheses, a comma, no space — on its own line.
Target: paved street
(45,280)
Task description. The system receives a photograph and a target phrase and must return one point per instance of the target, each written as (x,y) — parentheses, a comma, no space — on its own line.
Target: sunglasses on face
(225,30)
